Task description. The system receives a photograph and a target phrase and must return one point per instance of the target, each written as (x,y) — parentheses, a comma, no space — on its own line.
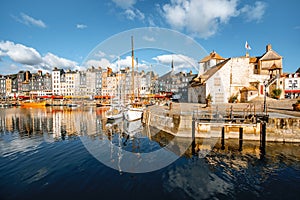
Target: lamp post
(265,96)
(292,95)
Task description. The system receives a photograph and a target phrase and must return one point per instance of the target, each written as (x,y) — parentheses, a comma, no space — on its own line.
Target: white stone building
(56,81)
(292,85)
(71,83)
(243,78)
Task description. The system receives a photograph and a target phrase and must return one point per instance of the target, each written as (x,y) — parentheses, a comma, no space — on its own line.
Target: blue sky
(38,34)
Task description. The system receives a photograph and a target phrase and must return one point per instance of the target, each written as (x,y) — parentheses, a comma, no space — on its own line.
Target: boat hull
(33,104)
(72,105)
(133,114)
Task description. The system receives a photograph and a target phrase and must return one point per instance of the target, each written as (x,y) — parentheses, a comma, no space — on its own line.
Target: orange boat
(33,104)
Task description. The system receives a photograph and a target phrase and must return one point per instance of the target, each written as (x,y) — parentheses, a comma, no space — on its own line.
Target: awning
(103,97)
(292,91)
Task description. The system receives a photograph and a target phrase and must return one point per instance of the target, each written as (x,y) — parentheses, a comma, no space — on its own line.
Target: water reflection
(52,124)
(40,149)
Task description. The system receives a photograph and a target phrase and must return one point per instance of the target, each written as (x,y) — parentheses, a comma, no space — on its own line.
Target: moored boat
(135,108)
(73,105)
(33,103)
(134,112)
(114,113)
(5,105)
(102,104)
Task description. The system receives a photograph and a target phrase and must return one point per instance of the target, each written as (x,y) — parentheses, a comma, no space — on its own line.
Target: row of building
(93,82)
(224,79)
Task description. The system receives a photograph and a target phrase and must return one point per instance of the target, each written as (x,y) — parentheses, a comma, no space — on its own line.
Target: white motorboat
(114,113)
(134,112)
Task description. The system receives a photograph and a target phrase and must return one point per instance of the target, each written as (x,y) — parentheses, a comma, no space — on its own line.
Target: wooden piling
(240,138)
(193,128)
(193,136)
(223,138)
(263,127)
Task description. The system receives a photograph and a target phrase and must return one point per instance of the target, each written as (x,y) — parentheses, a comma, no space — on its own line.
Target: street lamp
(292,95)
(265,96)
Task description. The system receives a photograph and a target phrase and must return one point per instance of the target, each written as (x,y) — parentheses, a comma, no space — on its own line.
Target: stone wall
(278,129)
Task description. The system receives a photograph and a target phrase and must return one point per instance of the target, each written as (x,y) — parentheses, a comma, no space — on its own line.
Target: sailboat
(116,111)
(135,109)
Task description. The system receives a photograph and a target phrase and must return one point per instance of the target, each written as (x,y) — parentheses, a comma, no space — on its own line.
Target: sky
(68,34)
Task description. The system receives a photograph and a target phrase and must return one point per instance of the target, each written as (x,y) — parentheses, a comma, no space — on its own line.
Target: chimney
(268,47)
(247,54)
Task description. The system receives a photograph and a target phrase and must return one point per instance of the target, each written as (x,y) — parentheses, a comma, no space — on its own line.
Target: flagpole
(247,46)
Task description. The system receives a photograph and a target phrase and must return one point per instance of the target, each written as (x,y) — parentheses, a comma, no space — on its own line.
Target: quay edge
(180,125)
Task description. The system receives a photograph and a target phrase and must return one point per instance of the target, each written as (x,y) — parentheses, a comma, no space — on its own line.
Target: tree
(276,93)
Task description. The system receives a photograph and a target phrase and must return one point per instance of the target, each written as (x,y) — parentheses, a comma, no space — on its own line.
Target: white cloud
(133,13)
(180,61)
(127,62)
(149,39)
(31,59)
(81,26)
(124,3)
(100,54)
(103,63)
(20,53)
(151,21)
(203,18)
(52,60)
(129,11)
(30,21)
(8,68)
(254,13)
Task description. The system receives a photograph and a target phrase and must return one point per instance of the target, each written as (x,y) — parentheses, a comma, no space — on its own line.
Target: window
(217,81)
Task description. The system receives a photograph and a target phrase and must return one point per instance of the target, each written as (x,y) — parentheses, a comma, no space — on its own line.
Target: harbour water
(46,154)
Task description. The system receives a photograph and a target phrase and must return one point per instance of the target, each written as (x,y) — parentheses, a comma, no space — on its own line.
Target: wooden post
(223,138)
(193,128)
(263,137)
(193,135)
(241,139)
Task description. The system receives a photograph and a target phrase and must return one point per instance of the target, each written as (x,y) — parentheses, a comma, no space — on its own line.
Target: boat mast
(138,76)
(132,72)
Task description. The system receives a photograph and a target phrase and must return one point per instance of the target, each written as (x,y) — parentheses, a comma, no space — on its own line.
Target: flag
(247,46)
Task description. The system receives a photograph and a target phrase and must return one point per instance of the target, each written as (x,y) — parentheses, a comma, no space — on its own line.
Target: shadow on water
(42,157)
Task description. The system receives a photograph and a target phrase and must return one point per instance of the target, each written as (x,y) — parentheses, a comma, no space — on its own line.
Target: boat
(116,109)
(102,104)
(114,113)
(31,103)
(72,105)
(134,112)
(5,105)
(135,109)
